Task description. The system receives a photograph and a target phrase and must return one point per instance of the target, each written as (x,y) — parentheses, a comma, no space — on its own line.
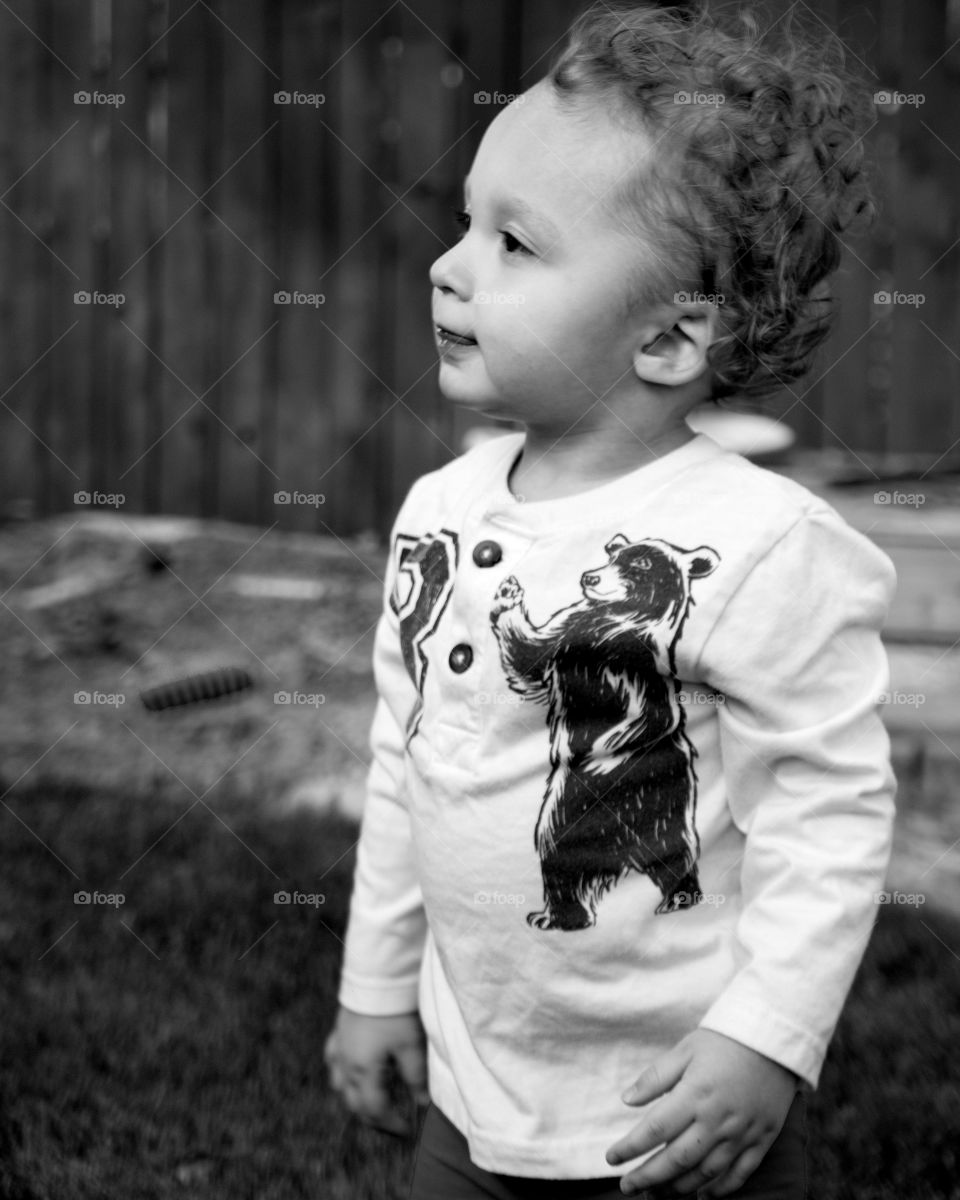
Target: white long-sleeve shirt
(628,779)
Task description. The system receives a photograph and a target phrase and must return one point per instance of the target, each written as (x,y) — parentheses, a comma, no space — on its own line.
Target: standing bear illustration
(621,792)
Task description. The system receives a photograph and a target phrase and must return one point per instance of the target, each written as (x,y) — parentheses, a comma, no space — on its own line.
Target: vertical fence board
(184,353)
(926,369)
(248,278)
(156,187)
(19,343)
(308,429)
(353,454)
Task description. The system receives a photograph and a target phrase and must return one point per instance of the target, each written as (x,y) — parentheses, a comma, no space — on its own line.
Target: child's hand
(723,1106)
(364,1056)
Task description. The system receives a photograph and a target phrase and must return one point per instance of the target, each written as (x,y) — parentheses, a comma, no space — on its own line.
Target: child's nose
(450,274)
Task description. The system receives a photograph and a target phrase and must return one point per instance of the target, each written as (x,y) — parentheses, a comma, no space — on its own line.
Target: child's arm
(377,1033)
(798,657)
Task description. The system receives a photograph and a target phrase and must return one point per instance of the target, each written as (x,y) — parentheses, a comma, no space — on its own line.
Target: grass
(172,1047)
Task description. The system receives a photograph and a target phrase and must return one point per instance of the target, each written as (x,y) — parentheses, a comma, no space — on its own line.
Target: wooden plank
(247,277)
(156,381)
(351,460)
(926,369)
(308,376)
(272,193)
(21,307)
(185,368)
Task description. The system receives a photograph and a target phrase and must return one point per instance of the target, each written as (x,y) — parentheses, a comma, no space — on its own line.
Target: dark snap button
(487,554)
(460,658)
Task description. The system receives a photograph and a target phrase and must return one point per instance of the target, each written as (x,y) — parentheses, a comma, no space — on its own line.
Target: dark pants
(443,1170)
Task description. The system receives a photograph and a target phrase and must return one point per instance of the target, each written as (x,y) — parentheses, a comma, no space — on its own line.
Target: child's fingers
(412,1066)
(658,1078)
(736,1174)
(713,1169)
(368,1094)
(665,1122)
(683,1158)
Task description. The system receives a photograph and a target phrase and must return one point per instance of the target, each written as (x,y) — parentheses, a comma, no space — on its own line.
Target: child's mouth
(447,338)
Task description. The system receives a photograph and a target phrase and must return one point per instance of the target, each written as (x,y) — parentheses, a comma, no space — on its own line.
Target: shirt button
(487,554)
(460,658)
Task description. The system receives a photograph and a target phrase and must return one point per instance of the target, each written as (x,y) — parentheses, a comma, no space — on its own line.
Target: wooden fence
(144,152)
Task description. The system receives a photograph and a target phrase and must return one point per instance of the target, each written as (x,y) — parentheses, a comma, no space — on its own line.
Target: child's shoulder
(484,466)
(733,481)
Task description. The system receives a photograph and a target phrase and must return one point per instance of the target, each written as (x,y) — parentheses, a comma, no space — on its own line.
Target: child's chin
(458,391)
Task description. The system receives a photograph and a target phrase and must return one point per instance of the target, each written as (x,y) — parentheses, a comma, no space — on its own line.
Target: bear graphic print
(621,790)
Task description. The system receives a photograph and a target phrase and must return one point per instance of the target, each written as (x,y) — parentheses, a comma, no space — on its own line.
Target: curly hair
(757,170)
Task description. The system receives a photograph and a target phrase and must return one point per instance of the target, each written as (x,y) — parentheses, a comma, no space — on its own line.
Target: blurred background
(217,381)
(151,163)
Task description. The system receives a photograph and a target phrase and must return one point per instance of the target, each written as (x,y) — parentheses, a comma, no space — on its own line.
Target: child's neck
(550,468)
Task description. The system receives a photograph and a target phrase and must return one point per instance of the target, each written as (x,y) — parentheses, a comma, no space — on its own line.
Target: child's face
(542,277)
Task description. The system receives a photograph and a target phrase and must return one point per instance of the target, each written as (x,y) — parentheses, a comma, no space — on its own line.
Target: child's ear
(673,350)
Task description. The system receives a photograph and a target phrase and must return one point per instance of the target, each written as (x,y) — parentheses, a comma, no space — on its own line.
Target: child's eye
(462,218)
(513,246)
